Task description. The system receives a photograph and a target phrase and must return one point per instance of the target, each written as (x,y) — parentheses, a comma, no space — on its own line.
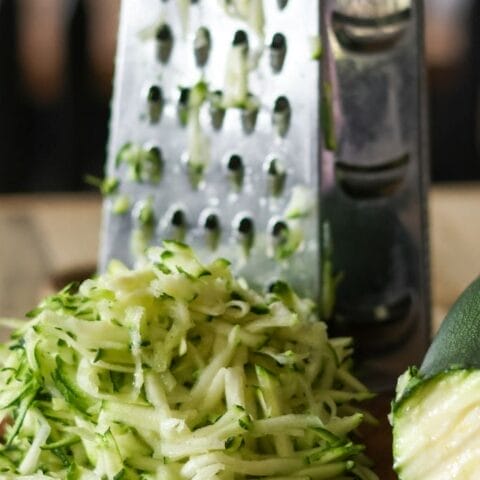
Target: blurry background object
(453,57)
(56,65)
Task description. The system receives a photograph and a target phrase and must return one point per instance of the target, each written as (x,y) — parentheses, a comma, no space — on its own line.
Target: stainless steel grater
(227,92)
(286,136)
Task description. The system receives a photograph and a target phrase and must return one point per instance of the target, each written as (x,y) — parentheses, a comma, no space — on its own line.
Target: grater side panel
(375,192)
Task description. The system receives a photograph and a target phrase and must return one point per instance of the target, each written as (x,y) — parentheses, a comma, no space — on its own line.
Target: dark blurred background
(56,65)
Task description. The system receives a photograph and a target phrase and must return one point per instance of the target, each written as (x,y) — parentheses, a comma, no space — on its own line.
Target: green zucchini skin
(455,348)
(457,343)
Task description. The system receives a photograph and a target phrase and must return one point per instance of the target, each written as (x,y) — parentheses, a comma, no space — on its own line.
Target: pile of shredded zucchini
(177,370)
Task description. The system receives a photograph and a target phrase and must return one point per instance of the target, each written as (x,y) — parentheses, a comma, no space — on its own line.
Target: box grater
(286,136)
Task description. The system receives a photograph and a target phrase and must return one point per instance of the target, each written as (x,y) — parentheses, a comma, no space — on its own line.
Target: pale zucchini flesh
(436,412)
(177,370)
(437,428)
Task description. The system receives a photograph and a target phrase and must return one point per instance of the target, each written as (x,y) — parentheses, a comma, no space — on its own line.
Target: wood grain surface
(378,439)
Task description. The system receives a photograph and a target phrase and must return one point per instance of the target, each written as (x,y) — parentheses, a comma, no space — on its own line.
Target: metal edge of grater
(374,183)
(233,173)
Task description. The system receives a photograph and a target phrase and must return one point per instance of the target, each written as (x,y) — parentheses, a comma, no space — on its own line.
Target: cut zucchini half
(436,412)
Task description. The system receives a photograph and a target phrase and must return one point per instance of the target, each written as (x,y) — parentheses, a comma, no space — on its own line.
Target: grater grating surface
(232,181)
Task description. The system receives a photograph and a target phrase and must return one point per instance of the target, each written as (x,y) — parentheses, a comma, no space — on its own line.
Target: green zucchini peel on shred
(436,412)
(177,370)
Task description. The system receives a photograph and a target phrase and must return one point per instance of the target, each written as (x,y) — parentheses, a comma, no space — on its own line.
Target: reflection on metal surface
(372,181)
(370,25)
(374,141)
(391,320)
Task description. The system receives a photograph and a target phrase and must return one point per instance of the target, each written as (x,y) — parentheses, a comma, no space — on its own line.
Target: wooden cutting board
(379,439)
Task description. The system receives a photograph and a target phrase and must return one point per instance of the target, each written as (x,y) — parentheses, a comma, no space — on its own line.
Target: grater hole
(249,114)
(216,109)
(178,219)
(240,39)
(164,33)
(273,167)
(175,223)
(164,37)
(184,95)
(278,50)
(182,105)
(235,163)
(245,231)
(281,115)
(211,224)
(195,170)
(279,230)
(152,165)
(201,46)
(276,175)
(155,153)
(280,246)
(143,214)
(245,226)
(282,4)
(281,105)
(178,223)
(155,103)
(235,170)
(154,94)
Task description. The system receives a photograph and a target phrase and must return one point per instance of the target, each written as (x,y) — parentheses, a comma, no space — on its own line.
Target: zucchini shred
(176,370)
